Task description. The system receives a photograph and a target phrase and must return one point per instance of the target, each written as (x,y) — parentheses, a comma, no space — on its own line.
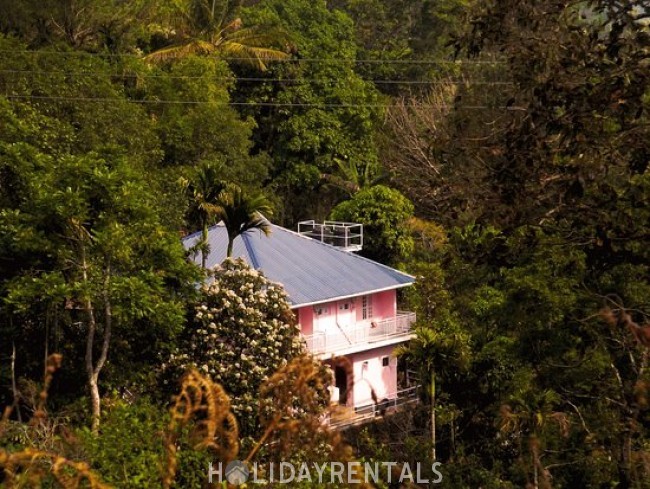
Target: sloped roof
(310,271)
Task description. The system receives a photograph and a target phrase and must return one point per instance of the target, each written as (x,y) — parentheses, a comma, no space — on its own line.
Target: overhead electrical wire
(251,104)
(287,60)
(253,79)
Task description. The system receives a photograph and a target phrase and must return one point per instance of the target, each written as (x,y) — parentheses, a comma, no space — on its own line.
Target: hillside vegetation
(497,150)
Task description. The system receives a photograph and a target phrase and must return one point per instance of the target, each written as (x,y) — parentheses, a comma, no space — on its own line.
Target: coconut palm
(240,211)
(205,27)
(204,190)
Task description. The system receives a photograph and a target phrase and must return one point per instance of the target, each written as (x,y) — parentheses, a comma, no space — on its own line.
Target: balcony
(342,417)
(344,340)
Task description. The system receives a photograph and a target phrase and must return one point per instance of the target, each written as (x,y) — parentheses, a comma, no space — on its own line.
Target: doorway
(341,381)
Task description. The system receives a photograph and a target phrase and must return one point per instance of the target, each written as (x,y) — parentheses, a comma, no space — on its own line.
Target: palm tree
(206,27)
(204,191)
(433,349)
(351,176)
(241,211)
(528,416)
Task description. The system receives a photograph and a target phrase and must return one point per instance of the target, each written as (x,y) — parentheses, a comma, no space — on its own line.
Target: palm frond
(257,57)
(181,50)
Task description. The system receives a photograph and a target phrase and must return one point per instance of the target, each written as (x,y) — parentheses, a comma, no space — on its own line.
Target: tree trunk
(93,370)
(95,403)
(14,388)
(625,460)
(230,245)
(204,246)
(432,392)
(90,371)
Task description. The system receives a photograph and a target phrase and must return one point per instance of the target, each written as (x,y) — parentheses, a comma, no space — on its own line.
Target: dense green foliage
(516,132)
(384,213)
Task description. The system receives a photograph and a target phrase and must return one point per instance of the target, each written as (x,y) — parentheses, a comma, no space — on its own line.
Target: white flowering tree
(241,333)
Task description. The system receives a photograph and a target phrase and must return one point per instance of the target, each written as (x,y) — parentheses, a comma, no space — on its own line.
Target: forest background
(497,150)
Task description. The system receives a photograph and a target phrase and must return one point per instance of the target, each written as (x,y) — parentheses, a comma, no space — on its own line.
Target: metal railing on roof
(345,235)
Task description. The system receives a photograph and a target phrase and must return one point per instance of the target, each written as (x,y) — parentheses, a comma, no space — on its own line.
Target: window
(389,361)
(366,307)
(345,306)
(321,310)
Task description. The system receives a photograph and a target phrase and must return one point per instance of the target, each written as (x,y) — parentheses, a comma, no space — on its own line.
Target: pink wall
(305,317)
(368,372)
(373,376)
(384,306)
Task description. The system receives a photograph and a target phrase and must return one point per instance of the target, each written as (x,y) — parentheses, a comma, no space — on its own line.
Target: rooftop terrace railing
(345,235)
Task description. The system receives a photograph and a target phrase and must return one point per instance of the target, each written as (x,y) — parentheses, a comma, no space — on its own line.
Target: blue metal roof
(310,271)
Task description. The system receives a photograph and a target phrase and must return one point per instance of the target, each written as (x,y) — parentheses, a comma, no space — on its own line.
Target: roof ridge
(251,250)
(348,253)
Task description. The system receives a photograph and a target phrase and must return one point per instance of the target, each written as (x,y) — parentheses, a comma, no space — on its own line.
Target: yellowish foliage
(297,423)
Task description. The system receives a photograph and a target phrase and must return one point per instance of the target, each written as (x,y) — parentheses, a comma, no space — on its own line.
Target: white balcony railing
(342,417)
(340,339)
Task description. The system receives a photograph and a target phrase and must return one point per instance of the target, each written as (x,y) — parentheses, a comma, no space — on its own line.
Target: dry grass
(205,406)
(202,408)
(29,467)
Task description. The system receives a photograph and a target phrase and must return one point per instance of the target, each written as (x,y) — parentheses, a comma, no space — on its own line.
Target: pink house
(346,304)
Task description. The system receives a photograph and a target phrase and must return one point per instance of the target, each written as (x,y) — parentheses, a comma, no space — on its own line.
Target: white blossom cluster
(243,331)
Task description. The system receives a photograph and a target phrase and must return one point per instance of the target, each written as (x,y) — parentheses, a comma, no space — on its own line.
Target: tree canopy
(498,151)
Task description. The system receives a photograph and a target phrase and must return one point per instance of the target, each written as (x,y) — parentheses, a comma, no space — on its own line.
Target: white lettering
(337,470)
(406,472)
(255,480)
(434,468)
(303,473)
(389,470)
(288,465)
(212,471)
(320,469)
(353,473)
(374,472)
(420,480)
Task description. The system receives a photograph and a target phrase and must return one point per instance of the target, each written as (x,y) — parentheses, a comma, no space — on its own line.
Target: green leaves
(384,213)
(84,234)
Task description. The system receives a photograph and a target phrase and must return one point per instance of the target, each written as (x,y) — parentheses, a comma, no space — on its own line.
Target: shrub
(130,444)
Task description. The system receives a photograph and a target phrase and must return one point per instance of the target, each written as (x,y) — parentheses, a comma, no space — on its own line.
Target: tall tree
(320,110)
(240,332)
(384,213)
(110,256)
(542,182)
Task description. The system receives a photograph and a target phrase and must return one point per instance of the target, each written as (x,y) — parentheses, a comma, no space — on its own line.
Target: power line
(255,79)
(288,60)
(250,104)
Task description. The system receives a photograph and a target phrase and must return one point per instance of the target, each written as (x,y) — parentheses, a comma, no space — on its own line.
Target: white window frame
(366,307)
